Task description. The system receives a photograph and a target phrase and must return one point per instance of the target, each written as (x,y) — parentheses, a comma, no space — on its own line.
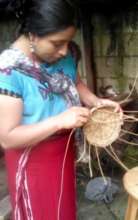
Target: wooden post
(87,51)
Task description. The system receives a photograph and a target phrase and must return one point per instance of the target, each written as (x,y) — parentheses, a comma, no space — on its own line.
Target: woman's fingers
(118,108)
(74,117)
(85,112)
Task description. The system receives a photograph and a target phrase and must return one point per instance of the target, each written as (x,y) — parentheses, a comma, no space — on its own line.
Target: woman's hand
(107,102)
(74,117)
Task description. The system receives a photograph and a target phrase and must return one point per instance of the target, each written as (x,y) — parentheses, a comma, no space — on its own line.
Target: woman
(39,106)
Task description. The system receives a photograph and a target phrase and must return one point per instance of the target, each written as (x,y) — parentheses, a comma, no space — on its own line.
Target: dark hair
(42,17)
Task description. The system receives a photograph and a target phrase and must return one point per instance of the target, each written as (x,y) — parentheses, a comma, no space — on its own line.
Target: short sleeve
(9,84)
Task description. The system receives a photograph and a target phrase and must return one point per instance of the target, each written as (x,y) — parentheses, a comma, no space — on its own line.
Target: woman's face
(54,46)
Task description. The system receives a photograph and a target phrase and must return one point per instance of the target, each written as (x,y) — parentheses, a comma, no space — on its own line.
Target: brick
(131,43)
(107,66)
(130,67)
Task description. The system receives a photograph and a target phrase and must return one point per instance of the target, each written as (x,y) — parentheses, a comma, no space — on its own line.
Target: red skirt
(44,171)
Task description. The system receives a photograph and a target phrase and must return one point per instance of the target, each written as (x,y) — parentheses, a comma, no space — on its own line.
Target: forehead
(64,35)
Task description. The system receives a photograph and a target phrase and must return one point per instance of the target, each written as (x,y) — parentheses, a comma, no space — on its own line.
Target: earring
(32,47)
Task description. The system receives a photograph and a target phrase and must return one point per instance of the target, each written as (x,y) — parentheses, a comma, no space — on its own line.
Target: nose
(63,51)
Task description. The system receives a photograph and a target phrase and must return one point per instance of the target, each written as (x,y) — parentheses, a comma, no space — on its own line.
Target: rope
(131,111)
(130,121)
(118,161)
(99,164)
(62,174)
(129,132)
(114,153)
(83,153)
(130,117)
(131,91)
(128,142)
(90,166)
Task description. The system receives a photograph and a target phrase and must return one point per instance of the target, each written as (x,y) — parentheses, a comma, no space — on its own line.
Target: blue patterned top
(20,78)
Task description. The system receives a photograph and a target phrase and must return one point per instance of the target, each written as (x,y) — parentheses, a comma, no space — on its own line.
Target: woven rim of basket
(103,126)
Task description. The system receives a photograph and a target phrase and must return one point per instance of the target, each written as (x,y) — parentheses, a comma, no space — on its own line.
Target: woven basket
(103,126)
